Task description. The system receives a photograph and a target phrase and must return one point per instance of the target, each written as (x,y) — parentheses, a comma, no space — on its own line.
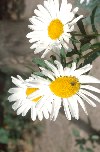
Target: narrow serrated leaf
(63,56)
(92,17)
(39,62)
(85,47)
(92,57)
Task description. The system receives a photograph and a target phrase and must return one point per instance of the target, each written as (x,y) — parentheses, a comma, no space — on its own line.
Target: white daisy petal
(16,81)
(47,73)
(33,113)
(45,53)
(16,105)
(26,109)
(56,104)
(65,45)
(75,20)
(44,11)
(87,99)
(20,78)
(67,71)
(53,68)
(39,79)
(91,88)
(81,103)
(88,79)
(75,10)
(66,38)
(90,95)
(66,109)
(83,70)
(45,113)
(13,97)
(42,101)
(13,90)
(40,114)
(60,67)
(21,109)
(56,2)
(74,107)
(70,107)
(72,69)
(49,107)
(73,66)
(51,8)
(35,95)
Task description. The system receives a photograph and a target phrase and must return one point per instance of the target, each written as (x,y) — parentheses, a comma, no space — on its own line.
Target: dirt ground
(15,55)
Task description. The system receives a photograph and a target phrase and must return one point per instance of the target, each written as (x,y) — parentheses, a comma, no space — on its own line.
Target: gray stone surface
(15,54)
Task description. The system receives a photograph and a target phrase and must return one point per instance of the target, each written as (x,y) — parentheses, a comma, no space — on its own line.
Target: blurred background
(21,134)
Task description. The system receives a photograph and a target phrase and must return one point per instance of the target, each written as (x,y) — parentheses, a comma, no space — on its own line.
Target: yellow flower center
(65,87)
(30,91)
(55,29)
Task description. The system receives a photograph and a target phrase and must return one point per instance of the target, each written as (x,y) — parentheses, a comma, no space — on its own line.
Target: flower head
(67,86)
(52,26)
(22,104)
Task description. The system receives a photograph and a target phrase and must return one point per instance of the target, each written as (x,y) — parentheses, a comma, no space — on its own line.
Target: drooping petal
(91,88)
(53,68)
(81,103)
(56,104)
(84,97)
(66,109)
(73,105)
(90,95)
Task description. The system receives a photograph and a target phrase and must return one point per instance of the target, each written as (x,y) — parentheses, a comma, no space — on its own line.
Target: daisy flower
(52,26)
(22,103)
(67,86)
(87,1)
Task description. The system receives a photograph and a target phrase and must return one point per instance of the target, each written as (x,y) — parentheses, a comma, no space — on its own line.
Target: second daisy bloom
(67,86)
(52,26)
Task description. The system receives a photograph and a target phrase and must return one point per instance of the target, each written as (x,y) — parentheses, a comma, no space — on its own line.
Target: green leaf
(81,141)
(89,150)
(92,57)
(95,137)
(82,148)
(62,53)
(63,57)
(4,136)
(92,17)
(39,62)
(76,133)
(95,46)
(38,74)
(74,40)
(85,47)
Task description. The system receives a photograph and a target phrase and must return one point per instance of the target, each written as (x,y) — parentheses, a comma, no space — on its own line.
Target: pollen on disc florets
(55,29)
(65,87)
